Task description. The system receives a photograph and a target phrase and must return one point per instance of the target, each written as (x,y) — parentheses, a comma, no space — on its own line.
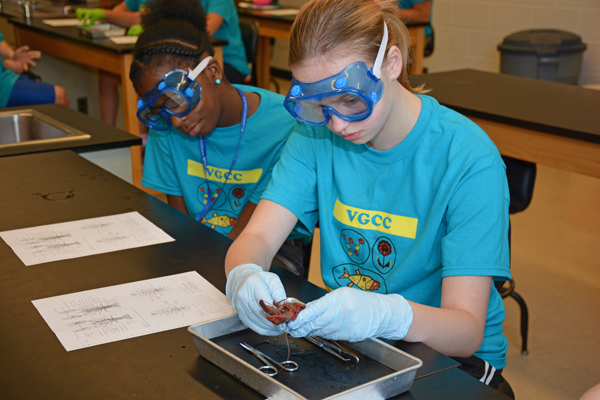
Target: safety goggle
(175,95)
(349,94)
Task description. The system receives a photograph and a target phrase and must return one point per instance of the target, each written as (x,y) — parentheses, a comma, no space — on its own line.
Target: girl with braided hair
(221,22)
(212,145)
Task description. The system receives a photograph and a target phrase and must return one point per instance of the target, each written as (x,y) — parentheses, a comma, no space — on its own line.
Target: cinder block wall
(467,32)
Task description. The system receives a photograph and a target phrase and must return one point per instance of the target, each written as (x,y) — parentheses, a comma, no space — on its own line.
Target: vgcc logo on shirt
(396,225)
(221,175)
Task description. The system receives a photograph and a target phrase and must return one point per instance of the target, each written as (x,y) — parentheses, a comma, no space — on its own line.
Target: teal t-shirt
(173,164)
(234,53)
(398,221)
(7,81)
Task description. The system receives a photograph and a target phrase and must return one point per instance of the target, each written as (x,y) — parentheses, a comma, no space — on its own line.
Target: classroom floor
(556,268)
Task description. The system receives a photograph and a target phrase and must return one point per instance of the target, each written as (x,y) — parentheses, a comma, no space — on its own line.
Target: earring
(218,81)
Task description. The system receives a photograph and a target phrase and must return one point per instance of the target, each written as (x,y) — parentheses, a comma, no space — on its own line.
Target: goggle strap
(381,52)
(199,68)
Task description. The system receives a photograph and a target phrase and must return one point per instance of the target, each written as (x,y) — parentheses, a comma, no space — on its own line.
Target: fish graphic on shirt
(361,281)
(223,221)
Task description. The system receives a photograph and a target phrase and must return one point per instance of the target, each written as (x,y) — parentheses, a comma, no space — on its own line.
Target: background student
(212,145)
(410,196)
(17,89)
(417,12)
(222,23)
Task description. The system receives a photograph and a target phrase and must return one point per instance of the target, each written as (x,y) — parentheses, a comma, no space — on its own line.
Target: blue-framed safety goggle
(174,95)
(349,94)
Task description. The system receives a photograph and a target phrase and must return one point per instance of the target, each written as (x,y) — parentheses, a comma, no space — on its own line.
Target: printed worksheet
(113,313)
(124,39)
(62,22)
(42,244)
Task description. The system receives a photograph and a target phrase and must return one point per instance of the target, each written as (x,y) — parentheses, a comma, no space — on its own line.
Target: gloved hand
(354,315)
(247,284)
(88,16)
(135,30)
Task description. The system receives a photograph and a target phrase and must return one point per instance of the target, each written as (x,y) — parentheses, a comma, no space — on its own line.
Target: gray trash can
(545,54)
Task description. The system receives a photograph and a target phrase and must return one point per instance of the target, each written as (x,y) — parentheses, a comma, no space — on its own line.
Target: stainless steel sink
(27,127)
(37,8)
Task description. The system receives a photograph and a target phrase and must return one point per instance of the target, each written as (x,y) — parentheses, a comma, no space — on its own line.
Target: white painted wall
(467,32)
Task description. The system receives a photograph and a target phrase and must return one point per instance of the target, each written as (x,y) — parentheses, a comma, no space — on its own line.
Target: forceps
(335,350)
(269,368)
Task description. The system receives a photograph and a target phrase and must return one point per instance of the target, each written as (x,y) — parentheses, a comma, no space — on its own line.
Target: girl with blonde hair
(411,199)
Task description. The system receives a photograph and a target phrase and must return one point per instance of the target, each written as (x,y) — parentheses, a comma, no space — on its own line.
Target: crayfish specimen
(282,311)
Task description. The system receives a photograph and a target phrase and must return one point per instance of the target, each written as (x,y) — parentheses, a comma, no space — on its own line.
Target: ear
(214,70)
(394,62)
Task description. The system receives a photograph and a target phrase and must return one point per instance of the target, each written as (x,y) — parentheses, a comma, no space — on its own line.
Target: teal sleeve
(478,210)
(7,81)
(134,5)
(159,170)
(225,8)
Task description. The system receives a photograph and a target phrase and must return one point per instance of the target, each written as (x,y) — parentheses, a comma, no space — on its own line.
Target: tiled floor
(556,266)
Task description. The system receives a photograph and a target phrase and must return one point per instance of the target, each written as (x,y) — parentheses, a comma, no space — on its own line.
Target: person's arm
(178,202)
(6,50)
(262,237)
(419,13)
(242,220)
(454,329)
(121,15)
(457,327)
(213,23)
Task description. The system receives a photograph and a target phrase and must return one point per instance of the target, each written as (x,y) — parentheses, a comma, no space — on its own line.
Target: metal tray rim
(407,373)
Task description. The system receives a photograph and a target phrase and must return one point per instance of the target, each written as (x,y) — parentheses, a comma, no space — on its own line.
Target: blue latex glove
(354,315)
(247,284)
(88,16)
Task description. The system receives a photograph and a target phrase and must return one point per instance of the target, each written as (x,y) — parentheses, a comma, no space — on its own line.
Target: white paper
(62,22)
(113,313)
(124,39)
(42,244)
(283,11)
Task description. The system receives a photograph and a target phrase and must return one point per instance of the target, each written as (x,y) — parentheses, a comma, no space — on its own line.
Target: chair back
(521,179)
(249,28)
(429,48)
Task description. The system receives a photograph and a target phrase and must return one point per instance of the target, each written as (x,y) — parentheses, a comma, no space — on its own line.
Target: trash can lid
(542,42)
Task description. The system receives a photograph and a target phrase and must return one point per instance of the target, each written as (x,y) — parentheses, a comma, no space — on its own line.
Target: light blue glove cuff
(401,316)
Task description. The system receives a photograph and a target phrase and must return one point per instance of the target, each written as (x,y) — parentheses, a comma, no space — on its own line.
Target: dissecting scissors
(270,364)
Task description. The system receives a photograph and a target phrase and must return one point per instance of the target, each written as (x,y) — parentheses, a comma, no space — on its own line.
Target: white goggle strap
(199,68)
(381,53)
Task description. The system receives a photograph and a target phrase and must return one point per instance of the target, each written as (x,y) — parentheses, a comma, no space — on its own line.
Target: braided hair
(174,34)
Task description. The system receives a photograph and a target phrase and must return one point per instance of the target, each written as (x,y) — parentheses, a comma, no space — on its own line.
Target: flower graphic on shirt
(237,196)
(384,253)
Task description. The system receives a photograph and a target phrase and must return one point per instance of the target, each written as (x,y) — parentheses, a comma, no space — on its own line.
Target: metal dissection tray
(382,372)
(102,31)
